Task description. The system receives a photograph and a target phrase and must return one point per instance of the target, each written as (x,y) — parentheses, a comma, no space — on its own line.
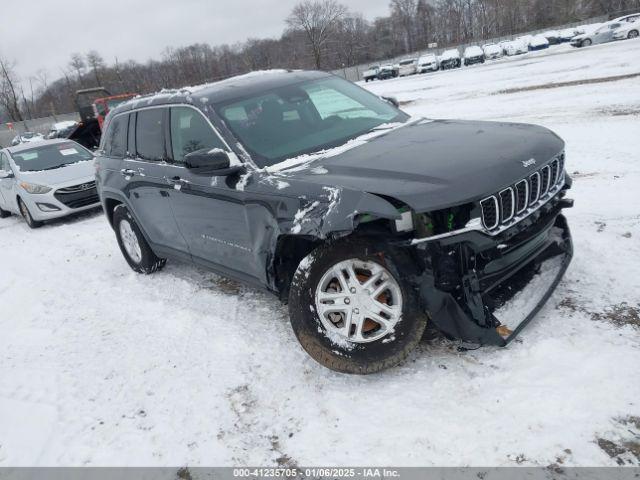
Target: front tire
(26,214)
(4,213)
(133,245)
(587,43)
(351,308)
(632,34)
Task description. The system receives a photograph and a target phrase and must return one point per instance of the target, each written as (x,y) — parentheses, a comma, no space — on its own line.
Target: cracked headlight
(35,189)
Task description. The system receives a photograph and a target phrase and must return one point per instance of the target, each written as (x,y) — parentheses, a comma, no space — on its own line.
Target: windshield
(304,118)
(50,156)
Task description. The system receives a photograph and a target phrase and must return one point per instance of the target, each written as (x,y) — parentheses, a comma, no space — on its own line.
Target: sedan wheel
(632,34)
(27,215)
(587,43)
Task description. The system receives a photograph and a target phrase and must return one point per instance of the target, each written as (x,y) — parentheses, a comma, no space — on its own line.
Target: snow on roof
(473,51)
(453,53)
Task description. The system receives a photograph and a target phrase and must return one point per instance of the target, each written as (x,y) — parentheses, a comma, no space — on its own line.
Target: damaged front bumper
(485,289)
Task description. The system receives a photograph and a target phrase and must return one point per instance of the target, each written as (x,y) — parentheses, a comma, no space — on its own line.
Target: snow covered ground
(100,366)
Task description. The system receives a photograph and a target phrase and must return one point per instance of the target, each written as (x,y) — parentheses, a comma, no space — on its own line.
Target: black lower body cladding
(485,290)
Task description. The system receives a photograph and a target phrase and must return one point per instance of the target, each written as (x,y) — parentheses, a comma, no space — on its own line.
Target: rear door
(210,211)
(147,175)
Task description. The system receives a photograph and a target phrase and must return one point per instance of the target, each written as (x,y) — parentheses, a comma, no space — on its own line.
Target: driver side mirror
(213,162)
(5,174)
(392,100)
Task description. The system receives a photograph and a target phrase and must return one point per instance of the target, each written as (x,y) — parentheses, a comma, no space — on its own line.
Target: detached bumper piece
(487,293)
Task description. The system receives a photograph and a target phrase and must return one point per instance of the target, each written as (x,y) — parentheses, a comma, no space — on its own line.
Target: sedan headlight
(35,189)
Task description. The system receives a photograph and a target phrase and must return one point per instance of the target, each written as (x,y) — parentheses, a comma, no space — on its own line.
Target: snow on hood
(302,162)
(81,171)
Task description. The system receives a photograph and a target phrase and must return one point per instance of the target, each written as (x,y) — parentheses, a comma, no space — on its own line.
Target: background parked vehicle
(62,129)
(450,59)
(27,137)
(538,42)
(47,180)
(567,34)
(492,51)
(473,55)
(514,47)
(628,30)
(408,66)
(387,71)
(428,63)
(603,34)
(553,37)
(93,105)
(372,73)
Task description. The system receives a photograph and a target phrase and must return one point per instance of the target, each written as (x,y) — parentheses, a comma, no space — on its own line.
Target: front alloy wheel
(351,307)
(632,34)
(358,301)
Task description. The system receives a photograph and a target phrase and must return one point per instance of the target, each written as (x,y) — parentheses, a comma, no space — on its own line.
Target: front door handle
(176,181)
(127,172)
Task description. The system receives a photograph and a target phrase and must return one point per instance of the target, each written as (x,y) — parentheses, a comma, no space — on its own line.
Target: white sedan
(629,30)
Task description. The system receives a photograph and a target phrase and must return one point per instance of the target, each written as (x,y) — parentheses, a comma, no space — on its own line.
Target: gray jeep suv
(367,222)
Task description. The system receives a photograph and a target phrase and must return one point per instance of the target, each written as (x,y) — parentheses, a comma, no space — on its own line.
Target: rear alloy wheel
(632,34)
(133,245)
(352,310)
(26,214)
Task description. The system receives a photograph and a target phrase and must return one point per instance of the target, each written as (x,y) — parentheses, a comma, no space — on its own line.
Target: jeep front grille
(513,202)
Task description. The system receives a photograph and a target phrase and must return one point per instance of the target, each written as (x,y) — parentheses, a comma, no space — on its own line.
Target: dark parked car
(369,223)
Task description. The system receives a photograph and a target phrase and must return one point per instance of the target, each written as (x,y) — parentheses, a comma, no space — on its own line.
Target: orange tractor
(93,105)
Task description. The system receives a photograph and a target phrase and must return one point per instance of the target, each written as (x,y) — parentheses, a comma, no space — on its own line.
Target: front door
(210,211)
(7,200)
(147,175)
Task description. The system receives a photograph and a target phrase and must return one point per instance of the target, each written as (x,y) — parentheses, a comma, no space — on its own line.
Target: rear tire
(133,245)
(356,343)
(26,214)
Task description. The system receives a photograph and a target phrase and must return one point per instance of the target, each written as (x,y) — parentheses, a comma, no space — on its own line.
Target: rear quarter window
(116,143)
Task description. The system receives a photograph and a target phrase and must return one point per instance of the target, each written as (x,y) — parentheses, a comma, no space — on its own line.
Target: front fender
(336,211)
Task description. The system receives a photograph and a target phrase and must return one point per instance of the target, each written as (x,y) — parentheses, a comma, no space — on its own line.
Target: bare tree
(404,11)
(318,19)
(77,64)
(8,94)
(95,62)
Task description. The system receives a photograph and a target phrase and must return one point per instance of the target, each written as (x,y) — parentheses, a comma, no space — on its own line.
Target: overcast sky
(42,34)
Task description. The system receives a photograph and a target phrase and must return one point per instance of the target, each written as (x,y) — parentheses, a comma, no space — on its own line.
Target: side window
(150,134)
(4,163)
(191,132)
(116,145)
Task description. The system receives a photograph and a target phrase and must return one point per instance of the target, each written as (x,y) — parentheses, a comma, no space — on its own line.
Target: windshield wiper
(57,166)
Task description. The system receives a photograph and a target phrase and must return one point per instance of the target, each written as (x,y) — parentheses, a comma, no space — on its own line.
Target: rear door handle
(127,172)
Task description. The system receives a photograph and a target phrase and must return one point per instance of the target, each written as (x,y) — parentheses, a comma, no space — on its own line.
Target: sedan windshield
(304,118)
(50,156)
